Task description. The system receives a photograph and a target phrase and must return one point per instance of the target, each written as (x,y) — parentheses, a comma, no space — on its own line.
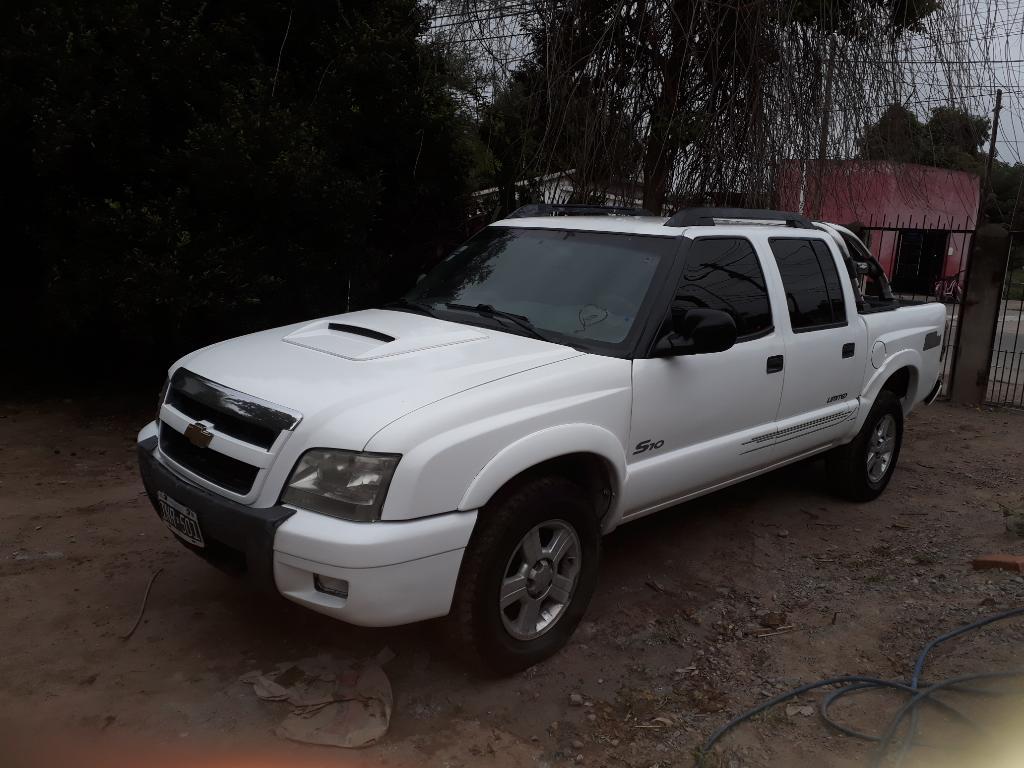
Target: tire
(858,470)
(502,640)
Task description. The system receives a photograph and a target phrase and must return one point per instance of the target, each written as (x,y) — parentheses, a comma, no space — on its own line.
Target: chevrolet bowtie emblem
(198,435)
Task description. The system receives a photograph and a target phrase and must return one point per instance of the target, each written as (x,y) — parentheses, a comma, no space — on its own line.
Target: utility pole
(991,155)
(983,283)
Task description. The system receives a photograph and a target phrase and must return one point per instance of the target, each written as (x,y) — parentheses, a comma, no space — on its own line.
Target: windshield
(581,285)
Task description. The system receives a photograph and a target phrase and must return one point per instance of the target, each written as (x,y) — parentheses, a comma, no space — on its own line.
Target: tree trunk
(662,138)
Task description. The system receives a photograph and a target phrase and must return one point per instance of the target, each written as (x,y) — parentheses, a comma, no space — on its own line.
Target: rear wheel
(862,469)
(527,575)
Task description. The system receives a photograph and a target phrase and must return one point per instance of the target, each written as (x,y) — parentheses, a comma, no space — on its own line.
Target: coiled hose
(917,693)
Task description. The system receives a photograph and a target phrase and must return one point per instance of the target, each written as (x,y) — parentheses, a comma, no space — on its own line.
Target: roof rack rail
(705,217)
(575,209)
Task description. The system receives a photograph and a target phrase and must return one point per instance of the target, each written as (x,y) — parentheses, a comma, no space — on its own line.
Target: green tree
(897,136)
(950,138)
(1004,203)
(181,171)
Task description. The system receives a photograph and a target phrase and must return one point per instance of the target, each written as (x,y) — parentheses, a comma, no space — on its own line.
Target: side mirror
(697,332)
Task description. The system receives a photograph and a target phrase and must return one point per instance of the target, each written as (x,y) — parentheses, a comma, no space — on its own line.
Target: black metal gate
(1006,377)
(926,264)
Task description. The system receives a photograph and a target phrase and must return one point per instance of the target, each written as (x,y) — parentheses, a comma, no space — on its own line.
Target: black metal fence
(1006,378)
(925,264)
(929,265)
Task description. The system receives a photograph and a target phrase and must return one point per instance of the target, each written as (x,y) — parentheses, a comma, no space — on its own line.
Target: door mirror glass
(697,332)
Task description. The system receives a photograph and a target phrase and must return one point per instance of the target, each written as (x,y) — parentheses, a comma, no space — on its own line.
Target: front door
(700,420)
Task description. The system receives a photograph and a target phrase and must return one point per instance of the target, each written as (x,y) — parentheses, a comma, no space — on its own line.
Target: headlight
(342,484)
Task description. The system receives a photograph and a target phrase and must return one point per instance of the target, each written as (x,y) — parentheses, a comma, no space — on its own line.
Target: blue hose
(917,694)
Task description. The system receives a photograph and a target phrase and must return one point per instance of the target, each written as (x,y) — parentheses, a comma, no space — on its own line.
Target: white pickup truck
(461,452)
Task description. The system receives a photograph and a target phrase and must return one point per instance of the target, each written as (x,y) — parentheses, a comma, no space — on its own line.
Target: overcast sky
(987,31)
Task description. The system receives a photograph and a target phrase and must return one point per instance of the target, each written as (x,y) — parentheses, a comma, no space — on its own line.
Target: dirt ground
(668,651)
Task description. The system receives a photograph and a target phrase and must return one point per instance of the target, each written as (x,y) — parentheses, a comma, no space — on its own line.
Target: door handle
(849,349)
(774,364)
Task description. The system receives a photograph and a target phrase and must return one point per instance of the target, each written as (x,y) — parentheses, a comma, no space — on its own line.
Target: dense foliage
(177,172)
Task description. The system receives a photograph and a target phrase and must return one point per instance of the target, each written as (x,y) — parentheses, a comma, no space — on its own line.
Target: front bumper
(238,539)
(397,572)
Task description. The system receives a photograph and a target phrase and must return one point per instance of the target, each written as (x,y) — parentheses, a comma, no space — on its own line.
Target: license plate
(180,519)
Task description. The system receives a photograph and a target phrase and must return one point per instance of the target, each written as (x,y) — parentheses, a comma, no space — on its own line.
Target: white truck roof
(641,225)
(636,225)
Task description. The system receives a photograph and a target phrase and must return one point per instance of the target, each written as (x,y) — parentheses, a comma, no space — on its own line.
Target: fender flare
(905,358)
(538,447)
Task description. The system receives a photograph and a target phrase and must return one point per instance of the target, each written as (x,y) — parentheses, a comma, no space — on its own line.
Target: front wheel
(527,575)
(861,469)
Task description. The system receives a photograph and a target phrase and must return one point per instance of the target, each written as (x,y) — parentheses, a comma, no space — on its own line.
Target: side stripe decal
(797,430)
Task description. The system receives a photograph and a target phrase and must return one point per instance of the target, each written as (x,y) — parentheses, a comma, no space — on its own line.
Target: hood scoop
(368,333)
(375,333)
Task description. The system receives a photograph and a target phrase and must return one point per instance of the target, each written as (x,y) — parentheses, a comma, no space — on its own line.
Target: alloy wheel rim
(881,447)
(540,579)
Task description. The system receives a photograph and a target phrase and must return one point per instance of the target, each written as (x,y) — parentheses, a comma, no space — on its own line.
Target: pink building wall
(889,197)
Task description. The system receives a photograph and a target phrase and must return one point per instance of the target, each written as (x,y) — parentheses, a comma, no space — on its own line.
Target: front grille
(232,413)
(228,423)
(229,473)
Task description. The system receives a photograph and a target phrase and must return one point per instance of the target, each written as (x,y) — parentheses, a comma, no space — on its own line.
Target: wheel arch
(900,375)
(588,455)
(901,382)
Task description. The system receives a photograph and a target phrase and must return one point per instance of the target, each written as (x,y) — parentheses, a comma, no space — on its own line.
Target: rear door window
(814,294)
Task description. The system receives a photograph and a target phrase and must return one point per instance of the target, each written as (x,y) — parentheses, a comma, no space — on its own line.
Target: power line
(921,62)
(476,20)
(939,44)
(496,9)
(472,40)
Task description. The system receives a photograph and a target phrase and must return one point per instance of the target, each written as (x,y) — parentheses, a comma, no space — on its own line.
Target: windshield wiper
(487,310)
(411,306)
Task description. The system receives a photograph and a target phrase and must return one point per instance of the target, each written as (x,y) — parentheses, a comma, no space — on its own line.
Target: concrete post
(979,314)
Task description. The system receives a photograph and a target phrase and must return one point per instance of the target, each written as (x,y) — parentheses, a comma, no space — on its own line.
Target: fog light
(331,586)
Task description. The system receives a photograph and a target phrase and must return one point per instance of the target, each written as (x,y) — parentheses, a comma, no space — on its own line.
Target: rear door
(700,420)
(825,347)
